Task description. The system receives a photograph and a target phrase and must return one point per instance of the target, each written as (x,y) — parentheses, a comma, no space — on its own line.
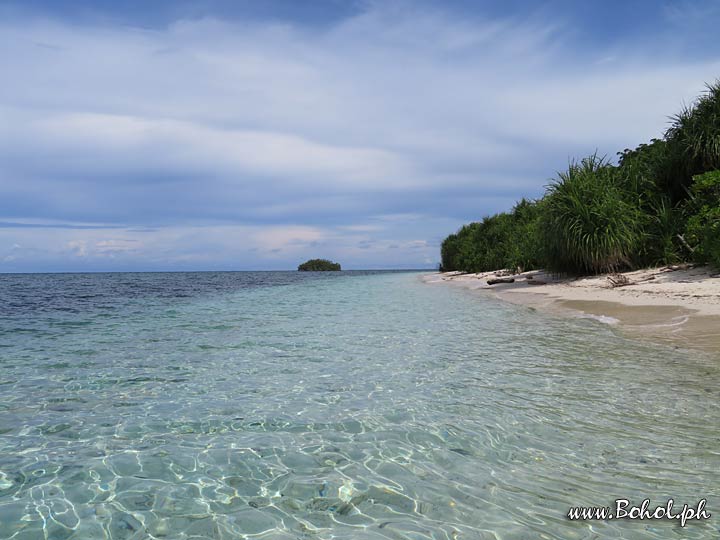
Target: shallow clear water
(353,405)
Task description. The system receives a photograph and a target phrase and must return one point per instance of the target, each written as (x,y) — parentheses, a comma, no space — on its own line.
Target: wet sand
(677,306)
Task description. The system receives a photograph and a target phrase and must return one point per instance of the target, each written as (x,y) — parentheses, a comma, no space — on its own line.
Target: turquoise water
(333,406)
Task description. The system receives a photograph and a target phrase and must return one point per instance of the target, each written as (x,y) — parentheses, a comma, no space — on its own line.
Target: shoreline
(675,305)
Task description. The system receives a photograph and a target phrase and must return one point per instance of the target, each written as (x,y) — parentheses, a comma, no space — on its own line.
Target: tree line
(660,204)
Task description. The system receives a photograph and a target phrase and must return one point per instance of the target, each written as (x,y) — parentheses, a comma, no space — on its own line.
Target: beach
(677,305)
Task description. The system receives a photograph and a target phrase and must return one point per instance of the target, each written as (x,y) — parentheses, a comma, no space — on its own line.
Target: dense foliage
(507,240)
(319,265)
(589,224)
(703,228)
(660,204)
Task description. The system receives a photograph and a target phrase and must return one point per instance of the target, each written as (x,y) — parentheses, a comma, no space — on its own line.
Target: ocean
(350,405)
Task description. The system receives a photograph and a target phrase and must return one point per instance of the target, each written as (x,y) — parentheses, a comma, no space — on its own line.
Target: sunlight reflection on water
(273,405)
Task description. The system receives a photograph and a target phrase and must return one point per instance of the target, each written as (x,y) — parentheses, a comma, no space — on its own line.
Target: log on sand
(500,280)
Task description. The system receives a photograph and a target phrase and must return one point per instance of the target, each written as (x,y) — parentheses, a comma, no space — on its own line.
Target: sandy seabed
(676,305)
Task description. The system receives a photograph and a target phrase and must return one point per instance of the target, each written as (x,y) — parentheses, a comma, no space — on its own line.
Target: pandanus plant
(590,225)
(694,137)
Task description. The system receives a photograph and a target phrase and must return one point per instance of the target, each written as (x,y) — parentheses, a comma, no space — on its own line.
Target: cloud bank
(208,143)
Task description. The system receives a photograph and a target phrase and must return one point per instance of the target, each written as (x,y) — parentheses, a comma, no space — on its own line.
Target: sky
(249,135)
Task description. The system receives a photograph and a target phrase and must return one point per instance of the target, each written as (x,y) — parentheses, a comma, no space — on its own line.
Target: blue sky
(253,135)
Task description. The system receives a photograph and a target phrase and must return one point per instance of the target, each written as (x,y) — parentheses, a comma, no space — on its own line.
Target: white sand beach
(679,304)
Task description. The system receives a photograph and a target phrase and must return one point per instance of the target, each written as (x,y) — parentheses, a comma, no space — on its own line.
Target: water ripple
(363,406)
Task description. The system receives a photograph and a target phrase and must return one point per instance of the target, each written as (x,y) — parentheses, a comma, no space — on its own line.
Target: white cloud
(180,146)
(77,247)
(298,138)
(281,238)
(221,246)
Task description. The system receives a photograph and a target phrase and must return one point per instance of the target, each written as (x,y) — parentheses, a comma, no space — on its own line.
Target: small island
(319,265)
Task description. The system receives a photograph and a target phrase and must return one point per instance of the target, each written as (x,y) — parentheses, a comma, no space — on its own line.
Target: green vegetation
(659,205)
(319,265)
(507,240)
(589,224)
(703,228)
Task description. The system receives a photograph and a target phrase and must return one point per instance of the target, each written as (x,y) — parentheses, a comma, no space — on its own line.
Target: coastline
(674,305)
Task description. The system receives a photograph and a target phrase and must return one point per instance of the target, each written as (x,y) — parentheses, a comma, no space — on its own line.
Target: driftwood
(618,280)
(682,239)
(536,282)
(676,267)
(500,280)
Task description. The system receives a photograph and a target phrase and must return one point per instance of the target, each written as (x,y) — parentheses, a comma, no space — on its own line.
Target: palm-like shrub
(663,226)
(590,224)
(694,138)
(646,175)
